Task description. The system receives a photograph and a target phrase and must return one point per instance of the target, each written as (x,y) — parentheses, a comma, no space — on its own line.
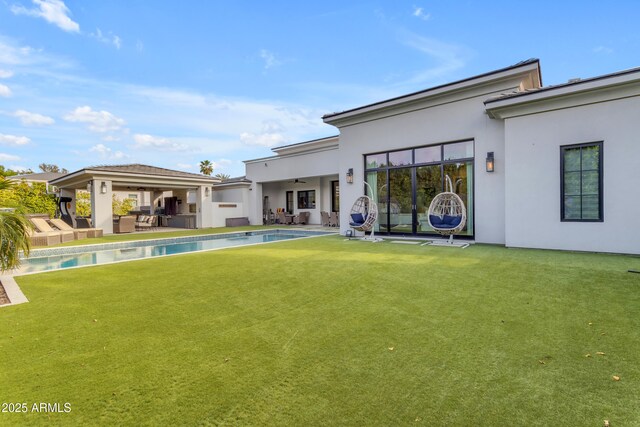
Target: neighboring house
(42,177)
(542,167)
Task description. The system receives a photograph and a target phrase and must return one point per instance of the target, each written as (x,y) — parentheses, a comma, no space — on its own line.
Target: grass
(330,332)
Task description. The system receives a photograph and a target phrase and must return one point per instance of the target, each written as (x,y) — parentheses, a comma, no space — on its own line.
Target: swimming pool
(80,256)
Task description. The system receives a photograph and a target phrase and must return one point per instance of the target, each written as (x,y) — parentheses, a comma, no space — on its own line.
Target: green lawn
(325,331)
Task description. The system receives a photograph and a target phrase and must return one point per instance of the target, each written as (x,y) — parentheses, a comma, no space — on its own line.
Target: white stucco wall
(272,177)
(533,177)
(444,122)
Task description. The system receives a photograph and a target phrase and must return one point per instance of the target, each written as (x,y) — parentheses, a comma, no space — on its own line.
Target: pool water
(148,249)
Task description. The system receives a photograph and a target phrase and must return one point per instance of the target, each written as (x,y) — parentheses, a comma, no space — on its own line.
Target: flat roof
(439,87)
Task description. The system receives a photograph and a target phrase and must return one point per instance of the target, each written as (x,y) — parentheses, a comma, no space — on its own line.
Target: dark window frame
(563,149)
(307,206)
(335,196)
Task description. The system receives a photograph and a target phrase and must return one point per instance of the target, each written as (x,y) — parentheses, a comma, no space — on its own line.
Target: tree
(122,207)
(31,198)
(222,176)
(206,167)
(14,233)
(45,167)
(11,172)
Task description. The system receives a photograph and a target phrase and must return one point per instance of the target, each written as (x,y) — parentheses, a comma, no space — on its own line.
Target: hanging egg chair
(447,213)
(363,215)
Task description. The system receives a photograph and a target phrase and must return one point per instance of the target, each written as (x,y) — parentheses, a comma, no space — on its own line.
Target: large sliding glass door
(405,182)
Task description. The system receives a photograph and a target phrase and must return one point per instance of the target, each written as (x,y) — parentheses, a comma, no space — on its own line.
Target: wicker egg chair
(447,213)
(363,216)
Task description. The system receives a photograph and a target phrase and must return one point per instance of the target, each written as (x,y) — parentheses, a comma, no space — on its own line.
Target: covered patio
(167,191)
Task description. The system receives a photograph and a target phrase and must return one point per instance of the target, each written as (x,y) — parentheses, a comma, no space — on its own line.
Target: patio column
(204,207)
(255,203)
(101,205)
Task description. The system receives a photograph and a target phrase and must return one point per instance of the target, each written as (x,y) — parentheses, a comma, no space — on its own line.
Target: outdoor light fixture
(350,176)
(89,187)
(490,161)
(206,191)
(103,187)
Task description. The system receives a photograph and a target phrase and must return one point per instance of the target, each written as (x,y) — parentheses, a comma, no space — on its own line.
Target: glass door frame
(413,167)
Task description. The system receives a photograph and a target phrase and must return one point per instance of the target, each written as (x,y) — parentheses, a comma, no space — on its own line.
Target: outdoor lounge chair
(85,224)
(44,239)
(63,226)
(125,224)
(282,218)
(43,226)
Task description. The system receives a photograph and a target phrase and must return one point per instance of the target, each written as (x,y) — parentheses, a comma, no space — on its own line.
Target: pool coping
(16,296)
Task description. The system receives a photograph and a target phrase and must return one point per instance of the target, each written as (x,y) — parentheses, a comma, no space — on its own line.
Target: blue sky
(172,83)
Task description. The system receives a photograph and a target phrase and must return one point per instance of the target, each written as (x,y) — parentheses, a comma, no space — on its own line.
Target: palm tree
(206,168)
(14,234)
(222,176)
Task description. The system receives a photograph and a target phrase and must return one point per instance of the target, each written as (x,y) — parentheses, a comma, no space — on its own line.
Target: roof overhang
(589,91)
(522,76)
(301,148)
(79,179)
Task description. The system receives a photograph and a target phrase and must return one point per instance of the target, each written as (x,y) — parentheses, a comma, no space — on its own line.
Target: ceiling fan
(297,181)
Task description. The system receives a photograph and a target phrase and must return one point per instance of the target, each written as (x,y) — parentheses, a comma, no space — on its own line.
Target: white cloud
(157,143)
(98,121)
(139,46)
(419,12)
(5,91)
(18,168)
(447,58)
(53,11)
(33,119)
(5,74)
(270,59)
(13,139)
(221,164)
(184,166)
(8,157)
(603,49)
(271,135)
(107,153)
(109,38)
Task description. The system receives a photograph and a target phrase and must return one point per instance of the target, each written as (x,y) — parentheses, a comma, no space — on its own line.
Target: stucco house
(553,167)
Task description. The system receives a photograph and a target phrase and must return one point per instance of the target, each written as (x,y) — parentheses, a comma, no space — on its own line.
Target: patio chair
(334,220)
(324,219)
(63,226)
(124,224)
(282,218)
(146,222)
(43,226)
(85,224)
(302,218)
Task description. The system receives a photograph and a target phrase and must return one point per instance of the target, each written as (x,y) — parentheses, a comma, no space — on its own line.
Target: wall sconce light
(206,191)
(89,186)
(350,176)
(103,187)
(490,162)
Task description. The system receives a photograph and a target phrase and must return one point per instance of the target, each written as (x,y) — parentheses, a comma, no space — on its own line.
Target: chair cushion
(357,218)
(452,221)
(435,220)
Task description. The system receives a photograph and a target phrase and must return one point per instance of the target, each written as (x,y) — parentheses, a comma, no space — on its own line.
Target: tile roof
(137,168)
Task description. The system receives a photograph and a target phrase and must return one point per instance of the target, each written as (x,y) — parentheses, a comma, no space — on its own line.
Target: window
(307,199)
(335,196)
(581,182)
(289,197)
(134,197)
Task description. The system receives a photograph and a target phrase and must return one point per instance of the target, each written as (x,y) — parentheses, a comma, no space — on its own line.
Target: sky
(170,83)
